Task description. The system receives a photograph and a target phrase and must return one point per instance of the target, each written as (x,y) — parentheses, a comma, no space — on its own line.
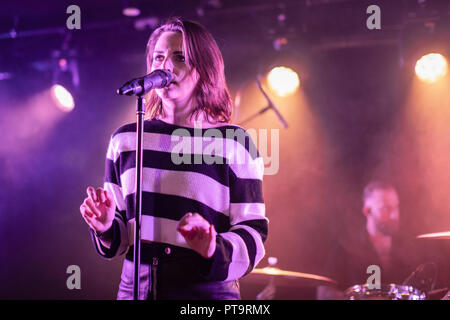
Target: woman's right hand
(98,209)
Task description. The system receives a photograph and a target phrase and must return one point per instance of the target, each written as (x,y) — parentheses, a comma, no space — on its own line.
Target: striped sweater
(215,172)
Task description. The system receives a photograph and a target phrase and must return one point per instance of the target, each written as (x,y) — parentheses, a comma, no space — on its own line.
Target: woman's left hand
(200,235)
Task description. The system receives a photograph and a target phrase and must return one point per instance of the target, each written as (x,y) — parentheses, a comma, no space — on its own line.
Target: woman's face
(168,55)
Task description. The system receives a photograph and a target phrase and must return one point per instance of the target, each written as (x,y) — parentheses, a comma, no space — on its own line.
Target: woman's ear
(195,75)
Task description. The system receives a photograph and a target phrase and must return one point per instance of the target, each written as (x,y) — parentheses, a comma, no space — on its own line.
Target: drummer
(377,244)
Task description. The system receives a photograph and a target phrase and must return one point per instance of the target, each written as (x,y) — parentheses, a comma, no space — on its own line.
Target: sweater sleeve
(241,248)
(113,242)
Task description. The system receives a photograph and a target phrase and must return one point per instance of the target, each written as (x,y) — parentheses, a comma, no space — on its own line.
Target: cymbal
(436,235)
(287,278)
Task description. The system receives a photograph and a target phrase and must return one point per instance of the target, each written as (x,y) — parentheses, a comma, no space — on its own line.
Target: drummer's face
(383,207)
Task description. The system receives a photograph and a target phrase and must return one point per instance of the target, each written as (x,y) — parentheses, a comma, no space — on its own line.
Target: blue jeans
(175,277)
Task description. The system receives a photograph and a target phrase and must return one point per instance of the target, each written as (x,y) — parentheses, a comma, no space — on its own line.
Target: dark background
(360,114)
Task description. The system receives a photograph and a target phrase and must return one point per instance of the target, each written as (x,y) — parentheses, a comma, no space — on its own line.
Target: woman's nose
(167,65)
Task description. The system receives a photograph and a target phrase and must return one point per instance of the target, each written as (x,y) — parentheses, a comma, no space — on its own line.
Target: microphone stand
(138,214)
(156,79)
(270,106)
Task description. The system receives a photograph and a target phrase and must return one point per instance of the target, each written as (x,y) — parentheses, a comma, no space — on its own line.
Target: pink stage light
(62,97)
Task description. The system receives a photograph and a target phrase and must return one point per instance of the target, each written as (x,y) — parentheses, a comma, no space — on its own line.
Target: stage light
(5,75)
(66,80)
(62,97)
(130,9)
(62,63)
(431,67)
(283,80)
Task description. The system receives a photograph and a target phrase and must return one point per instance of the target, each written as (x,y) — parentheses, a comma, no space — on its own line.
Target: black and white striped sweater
(215,172)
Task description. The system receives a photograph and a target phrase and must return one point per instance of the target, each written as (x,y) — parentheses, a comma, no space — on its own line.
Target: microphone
(155,80)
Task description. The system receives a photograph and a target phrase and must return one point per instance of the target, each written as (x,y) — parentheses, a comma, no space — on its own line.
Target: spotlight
(283,80)
(5,75)
(62,63)
(431,67)
(280,43)
(130,9)
(65,80)
(62,97)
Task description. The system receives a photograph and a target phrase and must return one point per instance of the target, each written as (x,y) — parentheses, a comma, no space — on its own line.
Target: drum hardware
(438,294)
(286,277)
(436,235)
(386,292)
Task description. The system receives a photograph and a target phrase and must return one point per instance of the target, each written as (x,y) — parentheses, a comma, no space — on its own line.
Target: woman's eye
(158,58)
(180,58)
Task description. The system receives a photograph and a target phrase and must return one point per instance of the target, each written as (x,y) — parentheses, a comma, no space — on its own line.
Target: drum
(386,292)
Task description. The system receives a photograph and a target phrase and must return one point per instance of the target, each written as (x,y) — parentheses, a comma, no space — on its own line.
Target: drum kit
(273,277)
